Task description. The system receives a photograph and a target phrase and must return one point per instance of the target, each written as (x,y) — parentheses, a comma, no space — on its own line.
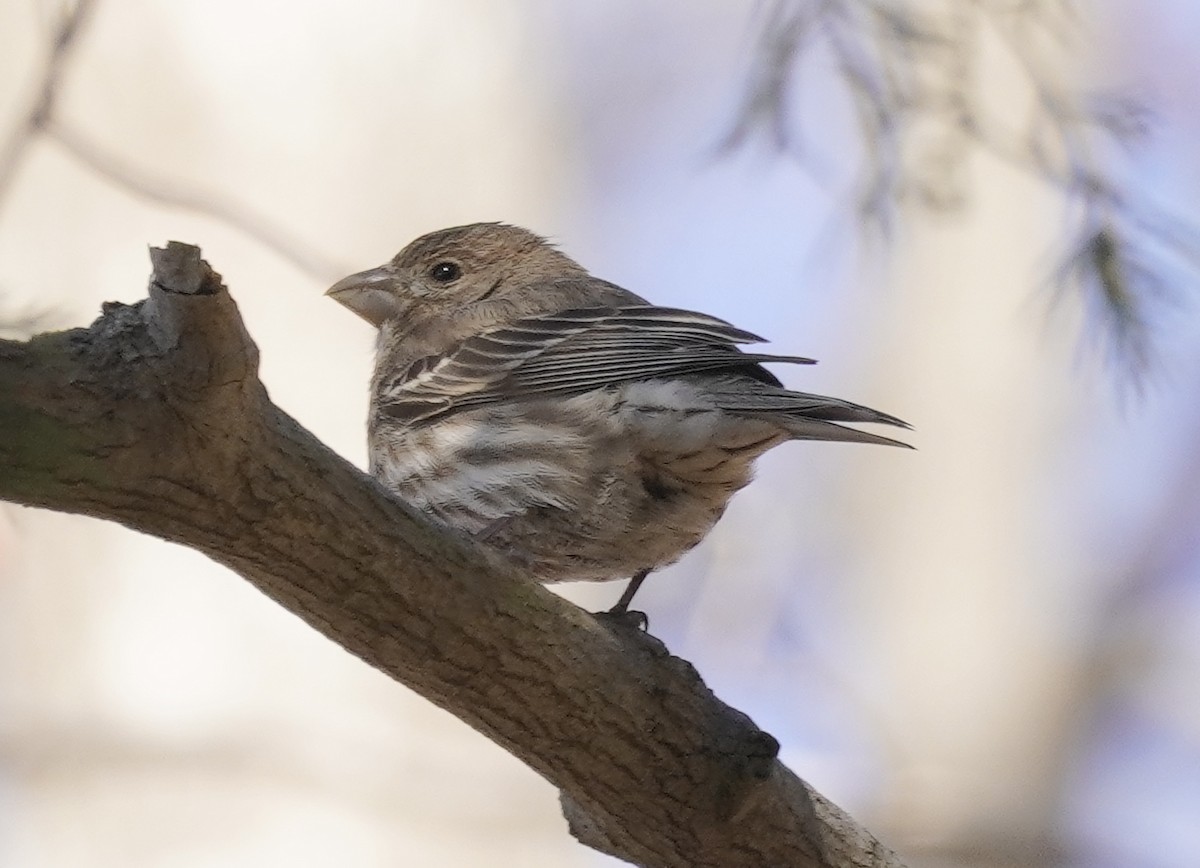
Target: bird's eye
(445,272)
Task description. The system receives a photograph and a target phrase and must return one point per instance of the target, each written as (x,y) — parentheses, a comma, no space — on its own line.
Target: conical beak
(368,293)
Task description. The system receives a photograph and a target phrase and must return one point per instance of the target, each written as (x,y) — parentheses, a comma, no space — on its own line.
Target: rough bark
(154,417)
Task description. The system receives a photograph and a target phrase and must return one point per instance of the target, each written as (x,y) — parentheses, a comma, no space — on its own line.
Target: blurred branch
(41,120)
(911,69)
(63,39)
(164,192)
(154,417)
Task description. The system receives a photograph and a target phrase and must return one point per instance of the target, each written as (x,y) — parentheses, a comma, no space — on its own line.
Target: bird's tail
(813,417)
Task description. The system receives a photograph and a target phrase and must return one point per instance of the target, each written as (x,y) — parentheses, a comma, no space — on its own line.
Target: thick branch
(154,417)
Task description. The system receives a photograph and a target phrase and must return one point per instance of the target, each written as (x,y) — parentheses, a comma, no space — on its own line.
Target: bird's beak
(367,293)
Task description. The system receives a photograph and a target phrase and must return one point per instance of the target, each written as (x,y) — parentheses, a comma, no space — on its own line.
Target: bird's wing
(571,352)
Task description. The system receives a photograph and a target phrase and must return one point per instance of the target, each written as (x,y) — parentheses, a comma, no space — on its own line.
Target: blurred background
(985,650)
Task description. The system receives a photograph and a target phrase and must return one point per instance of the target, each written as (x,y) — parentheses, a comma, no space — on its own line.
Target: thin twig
(41,120)
(164,192)
(65,38)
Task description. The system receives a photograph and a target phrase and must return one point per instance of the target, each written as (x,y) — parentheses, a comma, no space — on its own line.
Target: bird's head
(452,269)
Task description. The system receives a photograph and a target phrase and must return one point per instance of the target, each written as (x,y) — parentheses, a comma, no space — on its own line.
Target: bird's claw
(627,619)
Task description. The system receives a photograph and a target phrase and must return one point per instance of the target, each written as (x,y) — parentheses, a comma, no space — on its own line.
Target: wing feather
(571,352)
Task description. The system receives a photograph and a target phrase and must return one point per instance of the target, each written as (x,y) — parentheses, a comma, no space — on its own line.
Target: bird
(562,421)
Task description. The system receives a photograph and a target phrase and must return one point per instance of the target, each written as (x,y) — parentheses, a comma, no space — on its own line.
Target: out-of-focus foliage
(912,70)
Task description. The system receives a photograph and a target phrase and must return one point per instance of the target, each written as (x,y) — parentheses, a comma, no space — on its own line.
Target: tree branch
(154,417)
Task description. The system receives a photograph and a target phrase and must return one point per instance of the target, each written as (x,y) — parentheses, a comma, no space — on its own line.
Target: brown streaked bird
(572,426)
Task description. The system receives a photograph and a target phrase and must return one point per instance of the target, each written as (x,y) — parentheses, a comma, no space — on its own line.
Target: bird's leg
(621,609)
(622,605)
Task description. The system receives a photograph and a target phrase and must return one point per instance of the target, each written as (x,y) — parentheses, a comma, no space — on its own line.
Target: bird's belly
(574,489)
(476,468)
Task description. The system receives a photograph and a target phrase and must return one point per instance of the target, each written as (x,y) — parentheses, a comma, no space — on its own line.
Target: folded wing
(572,352)
(576,351)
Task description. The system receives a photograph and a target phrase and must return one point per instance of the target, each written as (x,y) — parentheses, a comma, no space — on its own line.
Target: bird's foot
(625,619)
